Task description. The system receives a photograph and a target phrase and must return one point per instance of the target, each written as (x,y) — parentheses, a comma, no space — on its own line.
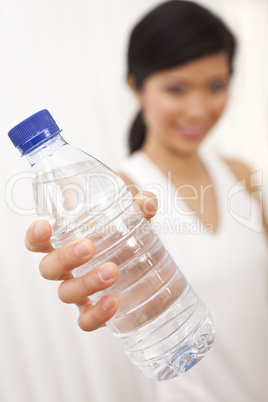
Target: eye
(176,89)
(217,86)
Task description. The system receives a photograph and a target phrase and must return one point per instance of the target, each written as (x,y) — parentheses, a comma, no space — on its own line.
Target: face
(182,104)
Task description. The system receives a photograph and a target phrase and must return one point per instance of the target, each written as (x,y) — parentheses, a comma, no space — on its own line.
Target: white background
(69,57)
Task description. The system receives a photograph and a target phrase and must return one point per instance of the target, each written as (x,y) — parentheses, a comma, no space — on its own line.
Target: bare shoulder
(240,170)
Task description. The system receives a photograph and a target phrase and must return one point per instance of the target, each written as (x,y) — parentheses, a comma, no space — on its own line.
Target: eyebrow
(185,81)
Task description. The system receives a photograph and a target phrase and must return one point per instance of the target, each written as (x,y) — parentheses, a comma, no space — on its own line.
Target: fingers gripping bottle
(163,327)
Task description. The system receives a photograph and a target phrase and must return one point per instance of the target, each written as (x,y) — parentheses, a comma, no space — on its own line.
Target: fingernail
(107,304)
(81,249)
(39,229)
(106,272)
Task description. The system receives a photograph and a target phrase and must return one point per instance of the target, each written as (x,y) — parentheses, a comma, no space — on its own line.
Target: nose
(196,107)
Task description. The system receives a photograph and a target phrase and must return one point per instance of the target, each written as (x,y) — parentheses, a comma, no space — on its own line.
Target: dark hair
(172,34)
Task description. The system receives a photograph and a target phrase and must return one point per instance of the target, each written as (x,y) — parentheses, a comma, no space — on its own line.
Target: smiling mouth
(192,132)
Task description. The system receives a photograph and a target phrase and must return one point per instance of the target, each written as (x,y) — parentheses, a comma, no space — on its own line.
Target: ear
(132,85)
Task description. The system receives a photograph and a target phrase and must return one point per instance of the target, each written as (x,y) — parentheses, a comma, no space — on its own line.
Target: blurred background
(69,57)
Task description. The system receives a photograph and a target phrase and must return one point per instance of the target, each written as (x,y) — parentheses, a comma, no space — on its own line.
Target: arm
(147,201)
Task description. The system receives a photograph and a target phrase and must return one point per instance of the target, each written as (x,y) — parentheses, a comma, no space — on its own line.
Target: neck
(183,164)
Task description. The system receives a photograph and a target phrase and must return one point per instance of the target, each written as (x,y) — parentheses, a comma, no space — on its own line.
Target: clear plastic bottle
(161,324)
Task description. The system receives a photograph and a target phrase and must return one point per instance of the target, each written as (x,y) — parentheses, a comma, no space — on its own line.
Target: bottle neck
(45,148)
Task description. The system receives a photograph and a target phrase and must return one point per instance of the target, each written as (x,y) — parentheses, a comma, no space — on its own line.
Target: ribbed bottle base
(182,357)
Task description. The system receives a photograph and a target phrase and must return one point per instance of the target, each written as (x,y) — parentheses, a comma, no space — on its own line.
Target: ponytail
(137,133)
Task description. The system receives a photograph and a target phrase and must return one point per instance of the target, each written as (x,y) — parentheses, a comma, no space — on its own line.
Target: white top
(228,270)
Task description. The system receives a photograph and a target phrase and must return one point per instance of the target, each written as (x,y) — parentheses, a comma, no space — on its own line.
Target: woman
(180,61)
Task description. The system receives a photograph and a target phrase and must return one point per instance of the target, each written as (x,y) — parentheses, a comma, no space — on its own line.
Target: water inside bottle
(161,324)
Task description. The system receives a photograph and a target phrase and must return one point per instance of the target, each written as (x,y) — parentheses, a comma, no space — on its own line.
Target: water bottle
(161,324)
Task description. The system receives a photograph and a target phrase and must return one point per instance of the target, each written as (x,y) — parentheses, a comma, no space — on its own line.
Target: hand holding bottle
(58,264)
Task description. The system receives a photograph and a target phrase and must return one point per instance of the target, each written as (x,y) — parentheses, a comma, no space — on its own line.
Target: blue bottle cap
(33,130)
